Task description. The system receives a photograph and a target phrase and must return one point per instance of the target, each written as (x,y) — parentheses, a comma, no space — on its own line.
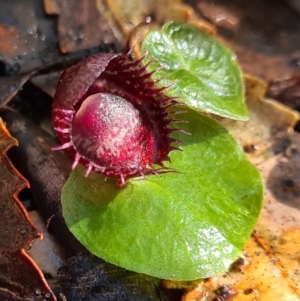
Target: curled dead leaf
(20,278)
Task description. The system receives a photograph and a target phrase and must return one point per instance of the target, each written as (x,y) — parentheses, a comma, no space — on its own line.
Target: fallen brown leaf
(20,278)
(80,24)
(287,91)
(263,34)
(84,24)
(263,135)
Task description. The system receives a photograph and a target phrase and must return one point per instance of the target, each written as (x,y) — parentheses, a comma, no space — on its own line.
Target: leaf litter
(287,187)
(20,278)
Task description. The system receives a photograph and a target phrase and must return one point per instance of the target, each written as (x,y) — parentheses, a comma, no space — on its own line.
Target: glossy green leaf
(180,226)
(206,74)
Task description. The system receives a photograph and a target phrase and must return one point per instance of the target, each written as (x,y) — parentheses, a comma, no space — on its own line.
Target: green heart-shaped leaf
(206,74)
(182,226)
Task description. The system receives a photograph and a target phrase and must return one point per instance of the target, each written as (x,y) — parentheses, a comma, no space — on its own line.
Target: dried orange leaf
(259,279)
(279,224)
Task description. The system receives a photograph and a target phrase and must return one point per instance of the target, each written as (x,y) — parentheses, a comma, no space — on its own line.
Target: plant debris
(20,278)
(268,48)
(85,277)
(287,91)
(10,85)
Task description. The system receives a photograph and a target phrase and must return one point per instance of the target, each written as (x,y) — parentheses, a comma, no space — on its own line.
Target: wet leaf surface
(19,276)
(80,24)
(30,42)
